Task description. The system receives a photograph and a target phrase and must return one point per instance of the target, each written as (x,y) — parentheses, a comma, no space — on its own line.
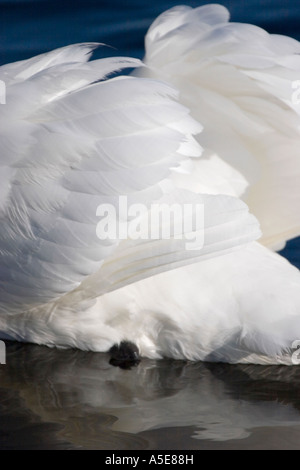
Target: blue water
(72,399)
(32,27)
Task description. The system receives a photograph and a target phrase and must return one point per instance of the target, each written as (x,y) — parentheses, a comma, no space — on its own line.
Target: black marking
(124,355)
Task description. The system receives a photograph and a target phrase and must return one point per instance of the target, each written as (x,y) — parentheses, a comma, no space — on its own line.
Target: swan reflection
(96,405)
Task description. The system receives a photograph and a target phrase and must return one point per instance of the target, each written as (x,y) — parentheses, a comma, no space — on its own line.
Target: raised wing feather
(237,80)
(70,143)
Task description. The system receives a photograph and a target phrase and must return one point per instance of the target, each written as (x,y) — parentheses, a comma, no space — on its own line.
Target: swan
(209,119)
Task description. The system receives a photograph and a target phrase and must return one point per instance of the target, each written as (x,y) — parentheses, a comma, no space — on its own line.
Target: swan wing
(238,82)
(72,140)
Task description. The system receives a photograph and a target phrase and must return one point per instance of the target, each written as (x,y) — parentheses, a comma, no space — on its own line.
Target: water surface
(51,399)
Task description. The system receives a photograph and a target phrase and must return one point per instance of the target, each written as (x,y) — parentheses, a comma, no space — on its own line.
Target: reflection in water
(72,399)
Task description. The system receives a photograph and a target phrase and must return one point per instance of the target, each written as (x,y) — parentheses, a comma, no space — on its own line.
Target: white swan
(72,139)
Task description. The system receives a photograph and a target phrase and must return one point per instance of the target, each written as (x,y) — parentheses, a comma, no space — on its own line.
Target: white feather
(72,138)
(237,81)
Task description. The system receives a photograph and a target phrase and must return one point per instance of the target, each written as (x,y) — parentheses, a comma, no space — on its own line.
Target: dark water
(53,399)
